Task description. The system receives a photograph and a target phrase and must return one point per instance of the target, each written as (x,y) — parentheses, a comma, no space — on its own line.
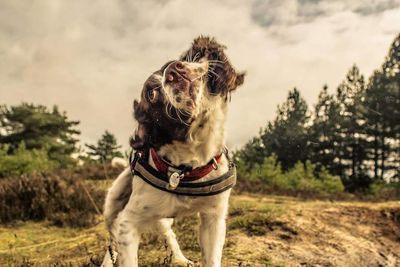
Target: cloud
(92,59)
(268,13)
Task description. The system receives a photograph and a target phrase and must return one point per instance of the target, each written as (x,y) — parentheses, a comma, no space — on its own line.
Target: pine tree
(391,68)
(287,136)
(40,129)
(382,113)
(106,148)
(324,136)
(252,154)
(350,95)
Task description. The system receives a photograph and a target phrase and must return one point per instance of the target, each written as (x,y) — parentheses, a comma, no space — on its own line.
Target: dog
(181,116)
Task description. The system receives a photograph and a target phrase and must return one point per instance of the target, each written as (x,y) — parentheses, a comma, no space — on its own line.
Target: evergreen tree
(40,129)
(324,137)
(391,68)
(286,137)
(251,155)
(106,148)
(350,95)
(382,113)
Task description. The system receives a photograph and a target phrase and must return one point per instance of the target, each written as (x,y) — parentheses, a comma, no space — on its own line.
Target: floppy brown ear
(239,79)
(140,112)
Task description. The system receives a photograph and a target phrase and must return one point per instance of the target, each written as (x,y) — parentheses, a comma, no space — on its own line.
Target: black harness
(140,167)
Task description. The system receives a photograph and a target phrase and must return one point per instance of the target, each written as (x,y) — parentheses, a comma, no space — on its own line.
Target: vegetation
(39,129)
(60,198)
(24,161)
(106,148)
(301,180)
(353,134)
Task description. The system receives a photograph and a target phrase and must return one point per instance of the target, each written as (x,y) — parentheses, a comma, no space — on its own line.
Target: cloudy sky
(92,57)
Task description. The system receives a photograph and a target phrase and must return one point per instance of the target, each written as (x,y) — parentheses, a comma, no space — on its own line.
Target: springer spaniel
(181,116)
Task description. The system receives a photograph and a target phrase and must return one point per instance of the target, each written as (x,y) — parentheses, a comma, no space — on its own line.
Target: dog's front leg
(128,238)
(212,238)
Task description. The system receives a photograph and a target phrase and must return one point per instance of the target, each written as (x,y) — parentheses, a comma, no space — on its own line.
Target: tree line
(353,133)
(35,138)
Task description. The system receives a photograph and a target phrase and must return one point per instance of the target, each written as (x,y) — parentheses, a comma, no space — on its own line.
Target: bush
(385,190)
(95,170)
(301,179)
(59,198)
(24,161)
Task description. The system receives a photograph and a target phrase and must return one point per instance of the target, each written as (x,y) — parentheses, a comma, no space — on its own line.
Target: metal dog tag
(174,180)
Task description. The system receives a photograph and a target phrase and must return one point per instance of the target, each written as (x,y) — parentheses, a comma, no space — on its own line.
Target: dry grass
(263,231)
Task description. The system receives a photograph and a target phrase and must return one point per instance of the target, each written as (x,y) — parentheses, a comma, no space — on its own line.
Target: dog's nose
(176,71)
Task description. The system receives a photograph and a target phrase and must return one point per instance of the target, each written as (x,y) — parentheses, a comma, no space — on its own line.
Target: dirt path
(329,234)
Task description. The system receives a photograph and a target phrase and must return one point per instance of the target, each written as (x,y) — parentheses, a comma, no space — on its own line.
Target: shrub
(385,190)
(331,183)
(59,198)
(301,179)
(94,170)
(24,161)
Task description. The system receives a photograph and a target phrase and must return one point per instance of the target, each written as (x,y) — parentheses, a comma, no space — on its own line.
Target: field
(262,231)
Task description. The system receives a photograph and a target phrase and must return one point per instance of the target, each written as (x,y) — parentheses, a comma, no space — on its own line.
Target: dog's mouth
(183,83)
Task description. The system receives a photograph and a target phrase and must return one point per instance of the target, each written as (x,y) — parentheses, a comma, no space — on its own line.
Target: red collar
(191,175)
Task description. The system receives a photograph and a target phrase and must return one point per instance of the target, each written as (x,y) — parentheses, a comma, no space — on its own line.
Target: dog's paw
(183,262)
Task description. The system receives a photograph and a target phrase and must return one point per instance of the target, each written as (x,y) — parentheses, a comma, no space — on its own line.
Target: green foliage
(106,148)
(24,161)
(383,190)
(40,129)
(354,134)
(303,177)
(286,137)
(59,198)
(330,183)
(324,137)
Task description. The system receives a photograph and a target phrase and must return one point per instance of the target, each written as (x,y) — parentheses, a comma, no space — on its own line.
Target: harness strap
(190,174)
(141,168)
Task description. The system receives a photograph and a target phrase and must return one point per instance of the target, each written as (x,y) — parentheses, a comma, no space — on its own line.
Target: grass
(40,244)
(44,244)
(262,231)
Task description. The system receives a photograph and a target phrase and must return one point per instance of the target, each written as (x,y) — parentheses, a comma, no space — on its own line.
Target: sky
(91,58)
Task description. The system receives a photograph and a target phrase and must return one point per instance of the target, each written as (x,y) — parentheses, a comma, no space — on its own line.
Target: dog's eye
(152,95)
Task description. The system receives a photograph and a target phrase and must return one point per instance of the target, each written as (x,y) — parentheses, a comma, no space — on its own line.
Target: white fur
(117,162)
(151,209)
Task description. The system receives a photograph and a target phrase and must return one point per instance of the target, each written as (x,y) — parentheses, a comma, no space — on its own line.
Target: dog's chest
(151,202)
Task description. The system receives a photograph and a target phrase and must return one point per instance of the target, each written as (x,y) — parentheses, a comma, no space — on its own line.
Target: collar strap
(142,169)
(189,174)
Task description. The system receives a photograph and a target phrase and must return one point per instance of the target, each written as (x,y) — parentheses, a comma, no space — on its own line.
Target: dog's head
(174,96)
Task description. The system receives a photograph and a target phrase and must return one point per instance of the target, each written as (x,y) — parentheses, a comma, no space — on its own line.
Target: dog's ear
(222,76)
(141,114)
(239,80)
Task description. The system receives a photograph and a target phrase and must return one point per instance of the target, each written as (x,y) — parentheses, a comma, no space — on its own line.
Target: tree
(106,148)
(252,154)
(391,68)
(382,115)
(39,129)
(286,136)
(324,137)
(350,95)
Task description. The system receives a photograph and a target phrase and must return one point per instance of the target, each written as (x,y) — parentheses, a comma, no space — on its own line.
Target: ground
(262,231)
